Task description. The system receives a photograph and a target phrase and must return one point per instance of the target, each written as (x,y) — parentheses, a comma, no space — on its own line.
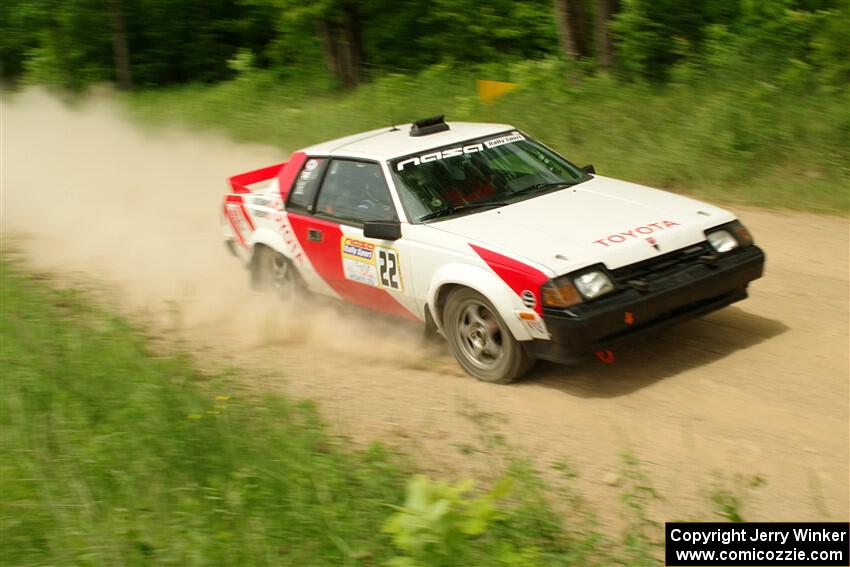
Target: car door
(364,271)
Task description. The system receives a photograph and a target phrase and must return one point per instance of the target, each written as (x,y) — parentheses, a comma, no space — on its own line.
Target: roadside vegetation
(750,144)
(112,454)
(737,100)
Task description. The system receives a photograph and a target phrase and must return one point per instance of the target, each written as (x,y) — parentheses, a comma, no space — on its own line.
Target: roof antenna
(392,119)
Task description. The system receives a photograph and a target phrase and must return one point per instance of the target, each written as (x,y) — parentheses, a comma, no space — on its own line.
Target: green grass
(114,455)
(723,138)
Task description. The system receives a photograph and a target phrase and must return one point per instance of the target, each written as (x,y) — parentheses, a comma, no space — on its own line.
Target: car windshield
(479,174)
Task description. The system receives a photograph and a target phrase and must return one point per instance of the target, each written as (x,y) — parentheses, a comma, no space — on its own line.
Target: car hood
(601,220)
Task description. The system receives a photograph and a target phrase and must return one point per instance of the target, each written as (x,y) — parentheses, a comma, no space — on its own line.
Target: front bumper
(689,292)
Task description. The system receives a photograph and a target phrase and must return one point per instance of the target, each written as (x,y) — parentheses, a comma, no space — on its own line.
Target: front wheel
(480,340)
(271,271)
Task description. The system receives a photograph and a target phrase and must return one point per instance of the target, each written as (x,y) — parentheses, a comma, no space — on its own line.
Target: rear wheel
(480,340)
(272,271)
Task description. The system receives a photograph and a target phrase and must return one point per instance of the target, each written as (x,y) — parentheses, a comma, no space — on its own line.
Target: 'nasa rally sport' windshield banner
(460,150)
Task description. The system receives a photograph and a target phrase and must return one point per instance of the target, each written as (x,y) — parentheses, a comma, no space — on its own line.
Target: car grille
(643,276)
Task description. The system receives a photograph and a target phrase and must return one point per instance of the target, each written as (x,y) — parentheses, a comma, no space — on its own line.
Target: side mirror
(589,169)
(382,230)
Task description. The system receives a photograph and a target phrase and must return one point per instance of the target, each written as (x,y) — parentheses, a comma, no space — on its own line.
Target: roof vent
(429,126)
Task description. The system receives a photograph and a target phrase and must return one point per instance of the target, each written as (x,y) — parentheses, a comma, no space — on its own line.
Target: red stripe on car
(519,277)
(326,257)
(289,172)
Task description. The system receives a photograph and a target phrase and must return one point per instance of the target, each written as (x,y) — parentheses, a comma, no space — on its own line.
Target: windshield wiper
(543,186)
(460,208)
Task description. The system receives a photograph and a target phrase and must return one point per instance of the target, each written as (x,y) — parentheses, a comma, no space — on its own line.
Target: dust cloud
(88,194)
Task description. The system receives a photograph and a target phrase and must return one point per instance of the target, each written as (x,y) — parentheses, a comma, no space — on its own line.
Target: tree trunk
(343,46)
(120,52)
(328,45)
(562,24)
(569,17)
(605,9)
(353,42)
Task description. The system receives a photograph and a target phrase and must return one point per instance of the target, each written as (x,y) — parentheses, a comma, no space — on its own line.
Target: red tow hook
(605,356)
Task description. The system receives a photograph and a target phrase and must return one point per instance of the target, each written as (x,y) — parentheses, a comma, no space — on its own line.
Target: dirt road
(758,389)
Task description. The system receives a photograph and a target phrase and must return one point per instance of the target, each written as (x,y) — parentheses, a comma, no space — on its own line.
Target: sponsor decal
(368,264)
(388,269)
(358,249)
(637,232)
(302,182)
(358,261)
(237,222)
(360,272)
(240,222)
(534,324)
(459,150)
(289,238)
(510,138)
(443,154)
(305,176)
(537,326)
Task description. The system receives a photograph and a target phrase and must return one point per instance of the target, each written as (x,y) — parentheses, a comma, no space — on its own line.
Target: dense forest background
(743,101)
(146,43)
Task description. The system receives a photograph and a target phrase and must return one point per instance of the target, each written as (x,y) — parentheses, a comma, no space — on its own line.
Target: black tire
(480,340)
(273,272)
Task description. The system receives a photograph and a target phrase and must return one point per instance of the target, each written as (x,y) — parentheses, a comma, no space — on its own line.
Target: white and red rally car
(489,238)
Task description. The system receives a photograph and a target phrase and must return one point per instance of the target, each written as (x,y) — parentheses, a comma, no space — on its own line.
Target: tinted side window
(355,191)
(304,190)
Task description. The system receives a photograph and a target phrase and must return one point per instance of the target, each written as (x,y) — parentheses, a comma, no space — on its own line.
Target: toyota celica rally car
(489,238)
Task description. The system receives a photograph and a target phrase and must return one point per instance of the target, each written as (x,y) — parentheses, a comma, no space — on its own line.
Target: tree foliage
(73,42)
(769,37)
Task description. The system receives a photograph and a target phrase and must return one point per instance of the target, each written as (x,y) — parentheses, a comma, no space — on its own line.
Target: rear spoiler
(239,183)
(285,173)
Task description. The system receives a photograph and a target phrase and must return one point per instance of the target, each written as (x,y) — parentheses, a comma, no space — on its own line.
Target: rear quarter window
(303,191)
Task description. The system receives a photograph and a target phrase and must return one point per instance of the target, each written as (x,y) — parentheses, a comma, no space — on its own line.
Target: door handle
(314,235)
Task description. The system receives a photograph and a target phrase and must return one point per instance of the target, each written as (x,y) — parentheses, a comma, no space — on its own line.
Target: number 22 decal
(388,269)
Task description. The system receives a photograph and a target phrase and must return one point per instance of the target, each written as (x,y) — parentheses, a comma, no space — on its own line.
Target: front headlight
(728,237)
(571,289)
(560,293)
(741,234)
(722,241)
(593,284)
